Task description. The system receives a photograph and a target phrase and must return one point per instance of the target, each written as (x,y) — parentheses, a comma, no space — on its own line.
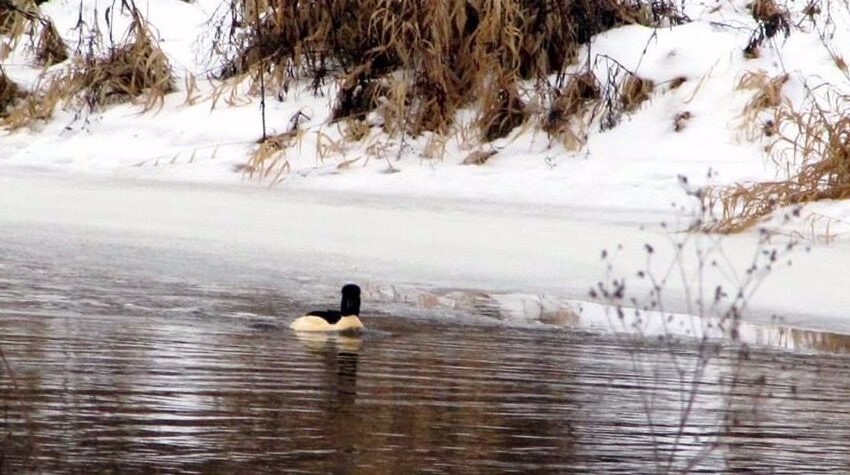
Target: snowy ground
(532,221)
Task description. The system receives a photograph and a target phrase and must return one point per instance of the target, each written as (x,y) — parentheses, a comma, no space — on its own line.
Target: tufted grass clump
(449,54)
(135,69)
(814,141)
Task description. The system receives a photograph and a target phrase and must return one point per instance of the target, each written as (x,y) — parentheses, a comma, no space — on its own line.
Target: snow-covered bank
(633,166)
(340,237)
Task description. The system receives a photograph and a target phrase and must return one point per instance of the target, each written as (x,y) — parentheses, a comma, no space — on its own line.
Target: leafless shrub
(708,329)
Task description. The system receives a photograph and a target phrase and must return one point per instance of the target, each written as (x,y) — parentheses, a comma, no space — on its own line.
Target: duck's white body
(312,323)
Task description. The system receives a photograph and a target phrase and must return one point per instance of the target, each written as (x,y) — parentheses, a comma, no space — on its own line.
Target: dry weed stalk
(567,116)
(768,95)
(23,17)
(9,92)
(190,85)
(50,49)
(817,141)
(136,69)
(268,160)
(16,17)
(771,19)
(623,93)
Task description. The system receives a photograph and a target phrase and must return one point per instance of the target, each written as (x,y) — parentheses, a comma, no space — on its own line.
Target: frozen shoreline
(339,237)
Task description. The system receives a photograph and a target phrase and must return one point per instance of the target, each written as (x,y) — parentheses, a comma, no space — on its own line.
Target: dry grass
(50,49)
(20,18)
(623,92)
(137,69)
(771,19)
(816,143)
(636,91)
(768,95)
(501,112)
(417,63)
(9,92)
(15,17)
(570,105)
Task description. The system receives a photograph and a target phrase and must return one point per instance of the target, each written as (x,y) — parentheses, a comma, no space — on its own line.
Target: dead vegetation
(771,19)
(100,74)
(9,92)
(409,67)
(681,120)
(418,63)
(623,92)
(571,106)
(767,95)
(15,17)
(23,18)
(813,140)
(50,49)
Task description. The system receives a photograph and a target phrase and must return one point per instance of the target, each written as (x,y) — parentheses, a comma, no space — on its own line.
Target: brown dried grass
(816,142)
(15,17)
(570,104)
(446,54)
(19,18)
(9,92)
(138,69)
(635,91)
(771,19)
(50,49)
(768,95)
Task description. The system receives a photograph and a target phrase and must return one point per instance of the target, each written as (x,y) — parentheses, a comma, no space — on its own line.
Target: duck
(346,319)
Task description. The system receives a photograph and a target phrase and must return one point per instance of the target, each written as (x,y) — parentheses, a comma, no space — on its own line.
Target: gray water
(130,361)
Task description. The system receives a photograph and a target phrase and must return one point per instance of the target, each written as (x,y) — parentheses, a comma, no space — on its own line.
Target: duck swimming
(346,319)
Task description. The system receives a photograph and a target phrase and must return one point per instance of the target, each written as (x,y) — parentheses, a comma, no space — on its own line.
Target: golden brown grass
(566,118)
(767,95)
(137,69)
(19,18)
(635,91)
(419,62)
(15,17)
(50,49)
(9,92)
(814,141)
(771,18)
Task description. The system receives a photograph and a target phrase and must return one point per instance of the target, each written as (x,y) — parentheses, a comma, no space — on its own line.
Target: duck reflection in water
(340,354)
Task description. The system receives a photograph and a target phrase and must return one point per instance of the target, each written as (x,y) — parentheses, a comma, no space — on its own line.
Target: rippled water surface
(136,370)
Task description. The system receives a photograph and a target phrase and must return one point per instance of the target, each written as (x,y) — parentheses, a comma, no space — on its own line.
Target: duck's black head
(350,300)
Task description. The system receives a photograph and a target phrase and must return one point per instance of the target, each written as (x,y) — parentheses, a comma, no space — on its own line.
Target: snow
(531,221)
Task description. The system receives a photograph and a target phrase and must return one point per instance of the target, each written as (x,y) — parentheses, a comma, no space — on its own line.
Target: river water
(119,361)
